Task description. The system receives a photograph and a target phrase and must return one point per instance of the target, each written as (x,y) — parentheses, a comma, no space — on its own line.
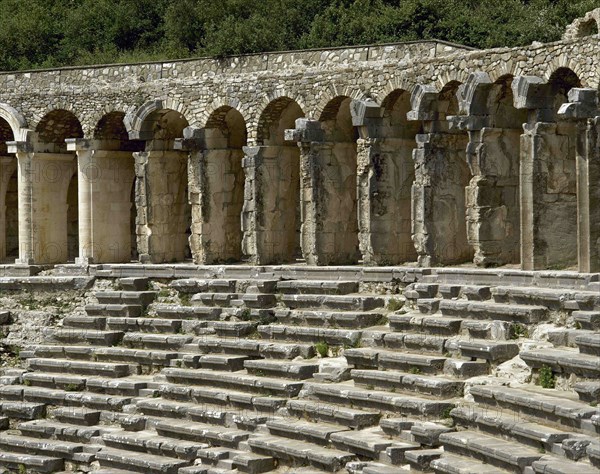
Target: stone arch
(15,120)
(279,183)
(588,25)
(55,127)
(339,180)
(560,82)
(331,95)
(141,124)
(9,232)
(164,213)
(385,177)
(217,192)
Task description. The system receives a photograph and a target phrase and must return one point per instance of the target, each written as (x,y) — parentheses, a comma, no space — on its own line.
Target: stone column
(315,242)
(8,164)
(583,109)
(254,244)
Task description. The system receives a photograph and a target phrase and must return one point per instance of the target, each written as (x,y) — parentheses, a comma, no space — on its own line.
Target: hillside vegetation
(51,33)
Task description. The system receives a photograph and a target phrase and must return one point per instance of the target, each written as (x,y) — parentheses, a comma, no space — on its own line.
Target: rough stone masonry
(423,152)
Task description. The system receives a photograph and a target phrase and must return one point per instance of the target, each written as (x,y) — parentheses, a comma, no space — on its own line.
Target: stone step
(492,351)
(524,314)
(252,347)
(548,297)
(342,302)
(567,337)
(403,381)
(22,410)
(297,370)
(228,362)
(553,465)
(223,397)
(366,358)
(489,449)
(373,443)
(428,305)
(257,300)
(228,416)
(420,459)
(139,462)
(300,452)
(149,442)
(166,342)
(587,319)
(309,431)
(51,429)
(77,416)
(220,300)
(495,422)
(240,381)
(564,361)
(589,343)
(31,463)
(87,336)
(68,366)
(198,313)
(322,412)
(233,328)
(421,343)
(381,400)
(239,461)
(84,322)
(588,391)
(453,464)
(330,319)
(546,406)
(143,358)
(134,283)
(140,298)
(194,285)
(434,325)
(375,468)
(126,386)
(316,287)
(494,330)
(47,396)
(200,432)
(421,290)
(427,433)
(152,325)
(25,444)
(333,337)
(114,310)
(593,453)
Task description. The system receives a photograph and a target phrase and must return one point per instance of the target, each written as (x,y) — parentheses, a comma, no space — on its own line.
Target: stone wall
(218,178)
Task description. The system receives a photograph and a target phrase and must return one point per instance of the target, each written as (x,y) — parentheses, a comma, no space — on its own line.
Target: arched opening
(221,188)
(493,193)
(441,177)
(55,194)
(339,184)
(280,183)
(555,178)
(389,182)
(9,223)
(112,182)
(164,211)
(588,28)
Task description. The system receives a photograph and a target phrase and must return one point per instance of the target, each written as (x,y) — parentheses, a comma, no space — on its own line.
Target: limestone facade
(428,152)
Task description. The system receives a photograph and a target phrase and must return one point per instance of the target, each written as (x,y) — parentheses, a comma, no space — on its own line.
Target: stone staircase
(303,375)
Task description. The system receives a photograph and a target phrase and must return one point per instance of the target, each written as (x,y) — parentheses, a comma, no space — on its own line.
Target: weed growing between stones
(394,304)
(547,378)
(518,330)
(322,348)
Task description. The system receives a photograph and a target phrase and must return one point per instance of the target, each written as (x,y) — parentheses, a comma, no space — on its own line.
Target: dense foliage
(49,33)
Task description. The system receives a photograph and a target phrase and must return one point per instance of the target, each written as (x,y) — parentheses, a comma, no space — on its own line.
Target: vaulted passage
(217,192)
(441,176)
(549,180)
(385,176)
(164,213)
(9,234)
(274,175)
(336,170)
(52,175)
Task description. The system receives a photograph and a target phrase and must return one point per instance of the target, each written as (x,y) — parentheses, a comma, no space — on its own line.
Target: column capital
(19,147)
(583,104)
(306,131)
